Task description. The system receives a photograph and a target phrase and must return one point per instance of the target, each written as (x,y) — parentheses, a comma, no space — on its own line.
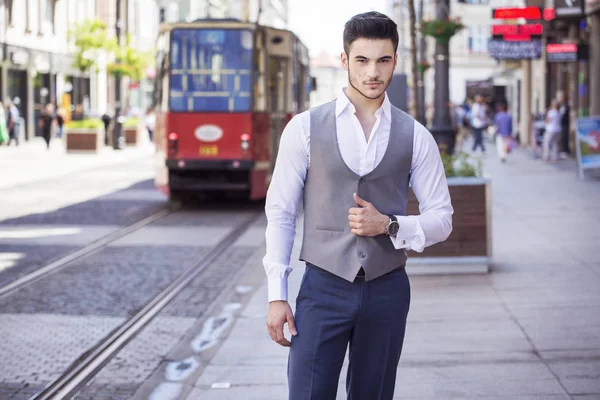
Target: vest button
(361,180)
(362,255)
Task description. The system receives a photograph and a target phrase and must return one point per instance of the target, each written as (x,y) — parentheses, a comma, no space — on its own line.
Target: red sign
(528,13)
(529,29)
(515,13)
(561,48)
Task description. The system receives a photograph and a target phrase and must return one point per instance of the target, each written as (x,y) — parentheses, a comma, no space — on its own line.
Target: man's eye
(385,61)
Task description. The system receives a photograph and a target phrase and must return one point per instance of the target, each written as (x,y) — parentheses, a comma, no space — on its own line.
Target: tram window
(211,70)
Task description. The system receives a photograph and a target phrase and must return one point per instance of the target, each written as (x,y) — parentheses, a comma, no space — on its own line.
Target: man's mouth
(373,84)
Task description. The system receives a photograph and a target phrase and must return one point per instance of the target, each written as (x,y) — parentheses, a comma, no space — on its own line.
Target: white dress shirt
(428,182)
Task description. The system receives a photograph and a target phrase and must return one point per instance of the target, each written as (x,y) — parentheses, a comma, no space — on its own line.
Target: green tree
(91,39)
(129,62)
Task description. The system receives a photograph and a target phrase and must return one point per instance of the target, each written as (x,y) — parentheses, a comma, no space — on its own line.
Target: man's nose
(372,72)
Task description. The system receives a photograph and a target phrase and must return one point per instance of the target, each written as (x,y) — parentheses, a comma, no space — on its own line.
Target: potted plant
(131,130)
(468,248)
(84,136)
(441,30)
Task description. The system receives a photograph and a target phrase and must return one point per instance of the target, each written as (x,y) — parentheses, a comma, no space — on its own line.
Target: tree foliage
(129,61)
(91,39)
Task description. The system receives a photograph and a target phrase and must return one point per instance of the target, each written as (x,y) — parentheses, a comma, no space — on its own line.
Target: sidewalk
(34,179)
(31,162)
(527,330)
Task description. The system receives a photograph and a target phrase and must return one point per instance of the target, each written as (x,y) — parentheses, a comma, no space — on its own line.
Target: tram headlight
(172,144)
(245,143)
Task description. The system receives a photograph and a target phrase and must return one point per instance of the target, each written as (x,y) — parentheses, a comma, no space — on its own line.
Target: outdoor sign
(517,33)
(565,52)
(527,13)
(505,50)
(588,143)
(568,8)
(561,52)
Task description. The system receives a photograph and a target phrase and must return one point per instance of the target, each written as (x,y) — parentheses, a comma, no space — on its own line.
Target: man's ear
(344,58)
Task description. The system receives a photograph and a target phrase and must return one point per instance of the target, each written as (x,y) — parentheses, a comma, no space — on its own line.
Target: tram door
(278,97)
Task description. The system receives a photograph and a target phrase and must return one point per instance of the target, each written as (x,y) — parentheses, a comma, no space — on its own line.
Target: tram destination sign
(515,50)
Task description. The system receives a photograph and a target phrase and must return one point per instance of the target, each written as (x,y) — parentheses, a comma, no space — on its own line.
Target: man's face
(370,65)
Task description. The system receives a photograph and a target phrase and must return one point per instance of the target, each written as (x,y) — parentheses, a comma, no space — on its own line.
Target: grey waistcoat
(330,183)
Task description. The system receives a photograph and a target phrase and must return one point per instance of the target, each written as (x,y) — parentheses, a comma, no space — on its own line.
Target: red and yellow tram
(225,90)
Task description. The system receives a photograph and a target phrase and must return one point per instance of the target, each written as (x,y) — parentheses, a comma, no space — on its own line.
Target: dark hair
(370,25)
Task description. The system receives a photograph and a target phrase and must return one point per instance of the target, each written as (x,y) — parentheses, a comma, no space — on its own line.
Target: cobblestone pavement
(50,322)
(149,352)
(43,220)
(46,325)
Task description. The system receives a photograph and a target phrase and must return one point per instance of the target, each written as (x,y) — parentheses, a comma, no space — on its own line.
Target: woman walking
(553,129)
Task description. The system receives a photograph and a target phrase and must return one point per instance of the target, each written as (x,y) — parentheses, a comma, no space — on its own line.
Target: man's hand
(280,312)
(366,220)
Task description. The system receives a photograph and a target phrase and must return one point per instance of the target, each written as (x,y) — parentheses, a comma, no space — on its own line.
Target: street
(526,330)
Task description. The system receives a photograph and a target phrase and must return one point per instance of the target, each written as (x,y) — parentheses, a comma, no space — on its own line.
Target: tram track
(89,364)
(82,252)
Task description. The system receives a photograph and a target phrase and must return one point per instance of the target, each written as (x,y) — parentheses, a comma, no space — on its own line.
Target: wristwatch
(393,226)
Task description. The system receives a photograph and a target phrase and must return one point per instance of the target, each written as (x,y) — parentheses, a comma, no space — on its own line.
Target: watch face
(393,228)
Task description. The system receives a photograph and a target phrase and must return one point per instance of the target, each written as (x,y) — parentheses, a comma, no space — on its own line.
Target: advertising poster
(588,143)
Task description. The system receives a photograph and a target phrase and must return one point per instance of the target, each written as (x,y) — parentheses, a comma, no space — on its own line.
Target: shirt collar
(343,102)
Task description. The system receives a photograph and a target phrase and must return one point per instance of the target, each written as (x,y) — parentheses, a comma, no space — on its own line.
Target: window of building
(9,7)
(49,16)
(479,36)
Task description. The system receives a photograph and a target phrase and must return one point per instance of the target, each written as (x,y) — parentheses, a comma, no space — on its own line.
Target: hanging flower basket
(441,30)
(423,66)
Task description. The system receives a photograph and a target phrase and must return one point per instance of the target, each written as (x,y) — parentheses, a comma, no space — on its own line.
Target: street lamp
(118,140)
(441,127)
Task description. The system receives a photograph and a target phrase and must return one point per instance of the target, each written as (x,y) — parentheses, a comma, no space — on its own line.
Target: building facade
(35,62)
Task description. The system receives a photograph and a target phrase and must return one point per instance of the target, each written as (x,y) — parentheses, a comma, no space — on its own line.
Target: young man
(353,159)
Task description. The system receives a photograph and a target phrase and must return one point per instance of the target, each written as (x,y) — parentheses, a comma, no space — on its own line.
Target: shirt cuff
(278,288)
(408,235)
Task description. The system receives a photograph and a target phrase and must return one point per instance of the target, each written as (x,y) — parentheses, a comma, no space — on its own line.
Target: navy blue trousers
(332,314)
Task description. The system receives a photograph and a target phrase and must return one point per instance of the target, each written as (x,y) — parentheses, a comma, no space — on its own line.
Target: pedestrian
(478,122)
(553,128)
(60,122)
(363,153)
(3,125)
(504,130)
(150,122)
(14,118)
(106,121)
(462,127)
(45,124)
(565,123)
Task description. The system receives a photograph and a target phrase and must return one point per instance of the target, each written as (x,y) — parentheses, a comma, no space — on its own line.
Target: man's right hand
(280,312)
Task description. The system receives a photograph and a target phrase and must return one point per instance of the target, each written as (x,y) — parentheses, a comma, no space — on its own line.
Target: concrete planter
(132,136)
(468,249)
(84,139)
